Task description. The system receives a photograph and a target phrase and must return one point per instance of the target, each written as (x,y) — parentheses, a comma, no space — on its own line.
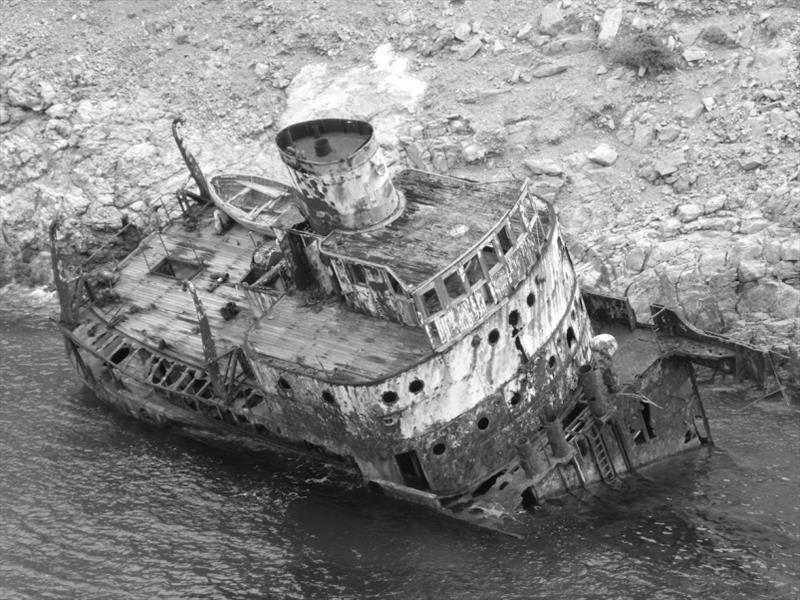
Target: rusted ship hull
(657,413)
(424,332)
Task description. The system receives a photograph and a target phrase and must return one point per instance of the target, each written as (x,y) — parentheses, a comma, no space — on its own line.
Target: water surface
(96,505)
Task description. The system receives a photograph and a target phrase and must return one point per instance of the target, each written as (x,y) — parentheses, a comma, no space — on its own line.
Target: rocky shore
(667,131)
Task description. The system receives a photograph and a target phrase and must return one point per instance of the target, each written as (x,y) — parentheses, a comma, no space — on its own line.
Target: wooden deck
(157,310)
(338,344)
(325,339)
(445,216)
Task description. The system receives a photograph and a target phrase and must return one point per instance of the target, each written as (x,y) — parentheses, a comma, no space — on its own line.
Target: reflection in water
(96,505)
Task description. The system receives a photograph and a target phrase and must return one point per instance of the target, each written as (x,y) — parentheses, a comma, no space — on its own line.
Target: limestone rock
(714,204)
(552,19)
(751,270)
(543,71)
(642,134)
(473,153)
(470,49)
(694,54)
(609,26)
(669,133)
(524,31)
(603,155)
(749,163)
(689,212)
(669,164)
(543,166)
(181,35)
(772,297)
(462,31)
(790,250)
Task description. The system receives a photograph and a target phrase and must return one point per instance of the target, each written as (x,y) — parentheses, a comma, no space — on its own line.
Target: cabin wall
(474,399)
(371,290)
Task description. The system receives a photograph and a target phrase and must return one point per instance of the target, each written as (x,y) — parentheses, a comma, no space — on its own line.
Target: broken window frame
(357,274)
(422,304)
(455,279)
(492,245)
(503,234)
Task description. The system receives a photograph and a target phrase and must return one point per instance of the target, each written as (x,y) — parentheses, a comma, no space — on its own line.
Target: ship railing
(463,294)
(87,287)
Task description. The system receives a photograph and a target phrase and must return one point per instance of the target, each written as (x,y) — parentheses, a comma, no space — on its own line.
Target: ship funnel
(337,166)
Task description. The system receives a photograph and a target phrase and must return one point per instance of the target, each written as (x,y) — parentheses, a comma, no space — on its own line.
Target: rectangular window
(504,239)
(431,302)
(359,275)
(473,270)
(489,256)
(395,285)
(518,226)
(454,286)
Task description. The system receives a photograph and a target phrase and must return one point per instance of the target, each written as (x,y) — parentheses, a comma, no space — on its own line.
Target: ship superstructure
(424,331)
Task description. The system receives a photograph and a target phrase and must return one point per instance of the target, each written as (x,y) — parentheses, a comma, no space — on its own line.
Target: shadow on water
(94,505)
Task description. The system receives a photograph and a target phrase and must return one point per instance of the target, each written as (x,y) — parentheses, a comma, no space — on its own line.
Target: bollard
(593,390)
(556,439)
(532,462)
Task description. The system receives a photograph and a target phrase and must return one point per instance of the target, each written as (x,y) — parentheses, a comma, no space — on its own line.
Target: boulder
(470,49)
(543,71)
(552,19)
(543,166)
(750,163)
(689,212)
(609,26)
(462,31)
(603,155)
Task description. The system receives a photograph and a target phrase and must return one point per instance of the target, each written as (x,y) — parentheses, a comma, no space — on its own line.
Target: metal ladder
(604,464)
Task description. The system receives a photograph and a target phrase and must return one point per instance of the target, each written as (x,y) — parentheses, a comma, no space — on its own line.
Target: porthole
(476,341)
(284,385)
(416,386)
(389,397)
(483,423)
(531,299)
(552,362)
(513,318)
(570,337)
(438,449)
(327,396)
(494,336)
(516,398)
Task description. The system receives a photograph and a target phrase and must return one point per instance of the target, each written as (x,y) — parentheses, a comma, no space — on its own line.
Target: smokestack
(337,166)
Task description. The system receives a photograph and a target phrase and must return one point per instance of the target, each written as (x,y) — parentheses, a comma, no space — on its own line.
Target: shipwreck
(424,332)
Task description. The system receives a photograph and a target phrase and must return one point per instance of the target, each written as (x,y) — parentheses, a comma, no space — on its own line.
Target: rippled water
(96,505)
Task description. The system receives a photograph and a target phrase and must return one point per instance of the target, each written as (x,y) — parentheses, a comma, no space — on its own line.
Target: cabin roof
(444,217)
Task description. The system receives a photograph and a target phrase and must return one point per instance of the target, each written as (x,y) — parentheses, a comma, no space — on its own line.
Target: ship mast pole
(209,347)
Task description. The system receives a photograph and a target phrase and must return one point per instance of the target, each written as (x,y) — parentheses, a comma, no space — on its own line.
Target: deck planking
(156,309)
(325,339)
(346,346)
